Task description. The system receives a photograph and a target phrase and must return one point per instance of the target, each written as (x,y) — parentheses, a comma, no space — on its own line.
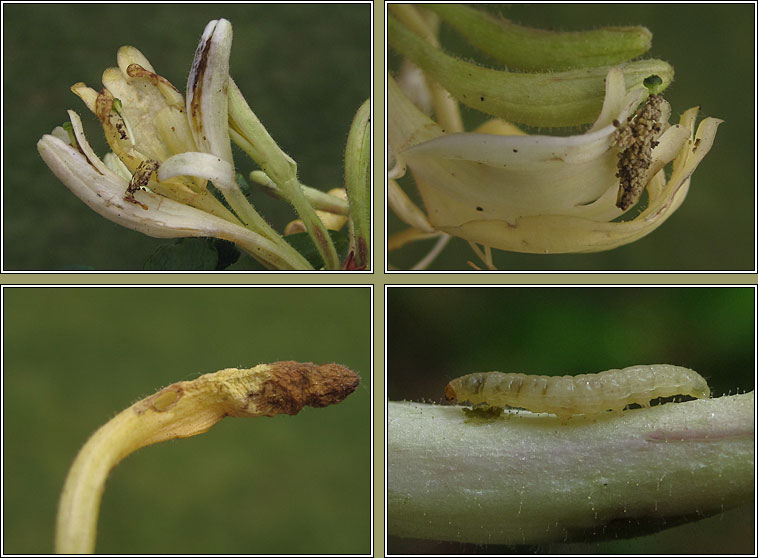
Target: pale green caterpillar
(584,394)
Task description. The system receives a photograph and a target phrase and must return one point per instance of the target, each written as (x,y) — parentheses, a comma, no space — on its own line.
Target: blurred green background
(711,47)
(304,69)
(437,334)
(74,357)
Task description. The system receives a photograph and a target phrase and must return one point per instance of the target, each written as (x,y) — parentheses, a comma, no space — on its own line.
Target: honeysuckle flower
(103,189)
(165,151)
(543,194)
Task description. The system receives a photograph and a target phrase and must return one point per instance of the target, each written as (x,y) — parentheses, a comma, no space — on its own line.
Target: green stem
(358,181)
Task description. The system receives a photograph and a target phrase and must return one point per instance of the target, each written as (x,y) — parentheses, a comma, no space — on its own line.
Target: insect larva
(587,394)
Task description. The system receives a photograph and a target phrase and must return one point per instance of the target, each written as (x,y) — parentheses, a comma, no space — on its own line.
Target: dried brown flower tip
(294,385)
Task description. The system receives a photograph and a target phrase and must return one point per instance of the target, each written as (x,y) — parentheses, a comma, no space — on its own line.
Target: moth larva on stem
(584,394)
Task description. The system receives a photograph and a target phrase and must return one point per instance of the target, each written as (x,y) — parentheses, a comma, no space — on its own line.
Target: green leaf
(302,243)
(243,184)
(188,254)
(228,253)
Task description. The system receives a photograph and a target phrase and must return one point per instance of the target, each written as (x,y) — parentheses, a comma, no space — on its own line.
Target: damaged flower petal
(181,410)
(544,194)
(207,103)
(106,192)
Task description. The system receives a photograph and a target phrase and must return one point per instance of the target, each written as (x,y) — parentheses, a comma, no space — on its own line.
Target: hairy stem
(525,478)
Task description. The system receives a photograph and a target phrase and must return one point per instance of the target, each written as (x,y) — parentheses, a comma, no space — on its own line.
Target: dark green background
(304,69)
(74,357)
(711,47)
(437,334)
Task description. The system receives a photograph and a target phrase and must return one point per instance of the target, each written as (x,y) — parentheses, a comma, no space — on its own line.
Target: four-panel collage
(484,276)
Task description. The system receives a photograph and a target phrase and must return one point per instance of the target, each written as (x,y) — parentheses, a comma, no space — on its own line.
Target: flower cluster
(167,150)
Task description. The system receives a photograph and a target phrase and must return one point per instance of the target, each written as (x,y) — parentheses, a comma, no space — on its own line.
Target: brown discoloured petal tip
(294,385)
(449,392)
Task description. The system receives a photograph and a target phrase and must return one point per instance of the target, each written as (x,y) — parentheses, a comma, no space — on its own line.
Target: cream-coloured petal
(204,165)
(128,55)
(207,101)
(61,134)
(465,177)
(613,103)
(116,165)
(84,145)
(174,131)
(553,234)
(141,102)
(86,94)
(170,94)
(163,218)
(405,209)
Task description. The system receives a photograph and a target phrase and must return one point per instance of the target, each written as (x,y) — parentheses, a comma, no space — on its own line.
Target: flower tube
(544,194)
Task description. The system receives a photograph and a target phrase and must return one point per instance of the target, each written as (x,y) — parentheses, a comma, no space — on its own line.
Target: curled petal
(207,104)
(203,165)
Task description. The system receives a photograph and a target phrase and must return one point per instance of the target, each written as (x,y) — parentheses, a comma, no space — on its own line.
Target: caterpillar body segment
(584,394)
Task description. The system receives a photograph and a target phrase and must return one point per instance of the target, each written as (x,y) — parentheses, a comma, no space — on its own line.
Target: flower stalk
(181,410)
(247,131)
(536,50)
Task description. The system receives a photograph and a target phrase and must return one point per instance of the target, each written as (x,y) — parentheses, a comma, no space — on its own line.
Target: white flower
(102,189)
(164,153)
(543,194)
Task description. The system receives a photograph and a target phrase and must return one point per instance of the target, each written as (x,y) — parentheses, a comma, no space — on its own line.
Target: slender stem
(181,410)
(436,250)
(321,201)
(315,227)
(249,133)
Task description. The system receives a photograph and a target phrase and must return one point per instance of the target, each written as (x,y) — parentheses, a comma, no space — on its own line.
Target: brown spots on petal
(137,71)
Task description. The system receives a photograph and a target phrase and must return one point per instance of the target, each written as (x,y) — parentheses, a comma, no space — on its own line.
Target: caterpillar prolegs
(585,394)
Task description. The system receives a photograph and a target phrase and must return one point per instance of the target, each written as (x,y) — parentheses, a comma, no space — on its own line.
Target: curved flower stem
(181,410)
(534,50)
(567,98)
(446,107)
(525,478)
